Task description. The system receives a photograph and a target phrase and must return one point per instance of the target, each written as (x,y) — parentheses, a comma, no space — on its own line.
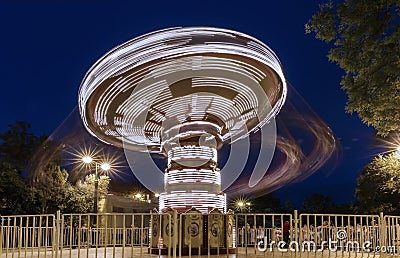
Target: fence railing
(250,235)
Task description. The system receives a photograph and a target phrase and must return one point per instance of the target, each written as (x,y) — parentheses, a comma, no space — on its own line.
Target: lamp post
(104,166)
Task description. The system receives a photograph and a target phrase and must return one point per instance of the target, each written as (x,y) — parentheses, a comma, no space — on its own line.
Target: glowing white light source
(105,166)
(398,152)
(138,195)
(87,159)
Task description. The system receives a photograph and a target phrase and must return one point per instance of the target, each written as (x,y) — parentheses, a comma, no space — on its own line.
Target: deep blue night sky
(46,48)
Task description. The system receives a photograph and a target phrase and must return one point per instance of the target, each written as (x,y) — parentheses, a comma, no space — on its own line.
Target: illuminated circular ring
(242,75)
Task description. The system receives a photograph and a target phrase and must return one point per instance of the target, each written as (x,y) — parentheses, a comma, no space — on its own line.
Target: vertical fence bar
(105,234)
(39,239)
(382,232)
(172,224)
(238,232)
(46,235)
(20,235)
(58,236)
(26,235)
(123,235)
(1,234)
(114,229)
(141,234)
(132,233)
(180,236)
(97,234)
(13,228)
(79,229)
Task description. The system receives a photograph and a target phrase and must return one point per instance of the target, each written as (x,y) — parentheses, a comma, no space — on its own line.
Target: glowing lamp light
(397,152)
(241,204)
(138,195)
(87,159)
(157,195)
(105,166)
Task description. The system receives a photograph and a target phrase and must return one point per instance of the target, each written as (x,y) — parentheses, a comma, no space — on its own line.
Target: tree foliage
(13,190)
(53,192)
(49,192)
(88,184)
(87,187)
(378,187)
(366,45)
(266,204)
(317,203)
(17,145)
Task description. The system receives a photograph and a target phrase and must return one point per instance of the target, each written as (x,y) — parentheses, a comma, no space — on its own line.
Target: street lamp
(242,204)
(103,166)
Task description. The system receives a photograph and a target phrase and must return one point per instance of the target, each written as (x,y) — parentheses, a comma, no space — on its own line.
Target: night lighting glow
(183,92)
(398,152)
(164,75)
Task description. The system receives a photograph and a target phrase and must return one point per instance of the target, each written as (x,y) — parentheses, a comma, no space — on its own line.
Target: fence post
(382,231)
(296,226)
(1,235)
(58,232)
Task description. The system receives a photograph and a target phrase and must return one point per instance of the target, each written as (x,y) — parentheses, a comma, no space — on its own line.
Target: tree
(49,191)
(87,187)
(366,45)
(317,203)
(17,145)
(53,192)
(13,190)
(378,186)
(266,204)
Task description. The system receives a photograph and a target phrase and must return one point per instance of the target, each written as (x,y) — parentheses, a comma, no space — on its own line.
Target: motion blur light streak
(184,92)
(164,75)
(303,145)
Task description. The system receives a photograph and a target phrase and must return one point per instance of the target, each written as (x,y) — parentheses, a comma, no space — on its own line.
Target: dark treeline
(21,195)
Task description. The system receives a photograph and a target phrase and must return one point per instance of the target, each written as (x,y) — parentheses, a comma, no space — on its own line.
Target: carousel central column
(192,178)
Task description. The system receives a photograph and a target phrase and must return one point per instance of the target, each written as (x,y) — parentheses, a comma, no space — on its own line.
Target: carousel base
(193,251)
(192,233)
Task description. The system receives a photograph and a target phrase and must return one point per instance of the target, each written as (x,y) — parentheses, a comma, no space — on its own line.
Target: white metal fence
(249,235)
